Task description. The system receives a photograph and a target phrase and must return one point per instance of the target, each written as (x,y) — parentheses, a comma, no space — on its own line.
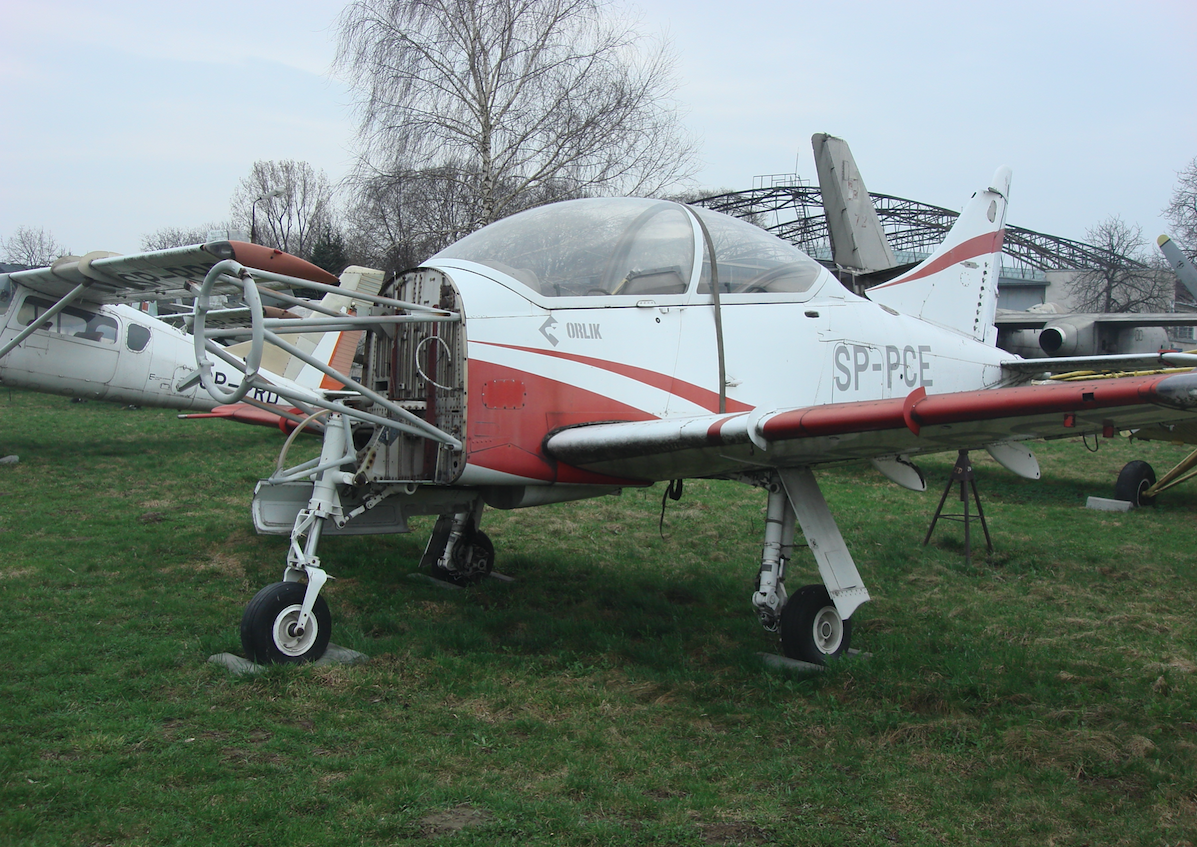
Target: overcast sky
(126,117)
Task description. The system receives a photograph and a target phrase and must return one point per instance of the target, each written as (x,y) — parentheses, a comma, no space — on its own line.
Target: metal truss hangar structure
(793,210)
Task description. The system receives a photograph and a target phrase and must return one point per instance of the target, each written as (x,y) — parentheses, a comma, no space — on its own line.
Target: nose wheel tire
(1135,478)
(811,627)
(270,632)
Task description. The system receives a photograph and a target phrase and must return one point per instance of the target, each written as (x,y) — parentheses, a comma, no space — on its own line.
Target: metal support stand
(962,473)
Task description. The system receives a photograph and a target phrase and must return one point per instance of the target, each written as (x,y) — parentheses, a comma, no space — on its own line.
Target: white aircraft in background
(95,346)
(1137,482)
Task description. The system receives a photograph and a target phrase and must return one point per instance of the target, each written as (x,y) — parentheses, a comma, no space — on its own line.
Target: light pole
(253,213)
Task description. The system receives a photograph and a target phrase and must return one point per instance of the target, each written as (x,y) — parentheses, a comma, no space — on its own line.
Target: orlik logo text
(583,331)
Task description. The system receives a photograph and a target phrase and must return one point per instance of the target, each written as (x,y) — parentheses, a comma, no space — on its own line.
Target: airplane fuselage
(112,352)
(604,312)
(559,365)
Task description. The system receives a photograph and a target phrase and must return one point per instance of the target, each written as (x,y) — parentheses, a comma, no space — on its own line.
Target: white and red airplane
(578,348)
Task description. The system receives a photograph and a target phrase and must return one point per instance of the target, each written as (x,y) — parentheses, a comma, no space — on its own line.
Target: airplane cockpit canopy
(632,246)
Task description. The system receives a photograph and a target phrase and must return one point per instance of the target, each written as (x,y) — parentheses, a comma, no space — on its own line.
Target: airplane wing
(1109,364)
(224,318)
(719,445)
(1034,320)
(160,274)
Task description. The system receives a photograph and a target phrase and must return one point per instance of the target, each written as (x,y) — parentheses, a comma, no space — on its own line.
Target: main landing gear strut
(815,621)
(458,552)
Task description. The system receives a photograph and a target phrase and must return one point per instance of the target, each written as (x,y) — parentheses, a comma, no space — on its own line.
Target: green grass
(613,693)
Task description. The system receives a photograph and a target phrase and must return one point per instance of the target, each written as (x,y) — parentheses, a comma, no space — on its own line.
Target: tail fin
(857,237)
(335,349)
(1179,262)
(956,287)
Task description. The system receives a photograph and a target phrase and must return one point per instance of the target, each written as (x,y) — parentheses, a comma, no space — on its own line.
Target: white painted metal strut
(415,425)
(322,505)
(836,567)
(333,324)
(49,314)
(376,299)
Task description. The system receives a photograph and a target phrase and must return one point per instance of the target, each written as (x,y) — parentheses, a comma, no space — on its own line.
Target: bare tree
(520,95)
(1129,281)
(1182,209)
(34,248)
(285,204)
(174,236)
(398,220)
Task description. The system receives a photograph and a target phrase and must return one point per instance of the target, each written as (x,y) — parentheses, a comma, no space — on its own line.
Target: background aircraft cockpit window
(592,247)
(77,323)
(753,261)
(5,294)
(137,337)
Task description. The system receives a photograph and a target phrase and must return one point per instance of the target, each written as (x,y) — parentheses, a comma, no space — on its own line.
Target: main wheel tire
(811,627)
(1135,478)
(268,632)
(473,560)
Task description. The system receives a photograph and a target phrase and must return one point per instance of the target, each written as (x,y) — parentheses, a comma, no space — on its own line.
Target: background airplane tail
(956,286)
(1185,271)
(336,349)
(857,238)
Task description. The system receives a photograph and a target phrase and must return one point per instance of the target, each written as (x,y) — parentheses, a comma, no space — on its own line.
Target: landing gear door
(421,367)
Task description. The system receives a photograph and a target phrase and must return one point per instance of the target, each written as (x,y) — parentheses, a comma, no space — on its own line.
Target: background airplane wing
(1038,320)
(161,274)
(1108,364)
(713,445)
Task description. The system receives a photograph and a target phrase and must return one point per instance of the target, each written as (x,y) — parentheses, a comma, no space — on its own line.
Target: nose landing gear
(270,630)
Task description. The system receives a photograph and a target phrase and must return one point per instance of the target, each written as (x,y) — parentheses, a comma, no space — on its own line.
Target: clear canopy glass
(631,246)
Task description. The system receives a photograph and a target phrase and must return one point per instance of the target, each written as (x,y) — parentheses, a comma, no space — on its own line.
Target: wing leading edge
(160,274)
(714,445)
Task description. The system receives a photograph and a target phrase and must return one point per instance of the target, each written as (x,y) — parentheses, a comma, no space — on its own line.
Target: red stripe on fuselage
(982,245)
(511,439)
(701,397)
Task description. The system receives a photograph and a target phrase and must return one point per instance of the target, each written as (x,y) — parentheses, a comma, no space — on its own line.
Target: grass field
(611,695)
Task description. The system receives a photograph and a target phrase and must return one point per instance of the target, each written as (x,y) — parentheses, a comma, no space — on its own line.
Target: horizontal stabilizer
(283,419)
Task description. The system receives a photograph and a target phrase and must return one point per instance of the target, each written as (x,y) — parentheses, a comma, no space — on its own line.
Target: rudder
(956,286)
